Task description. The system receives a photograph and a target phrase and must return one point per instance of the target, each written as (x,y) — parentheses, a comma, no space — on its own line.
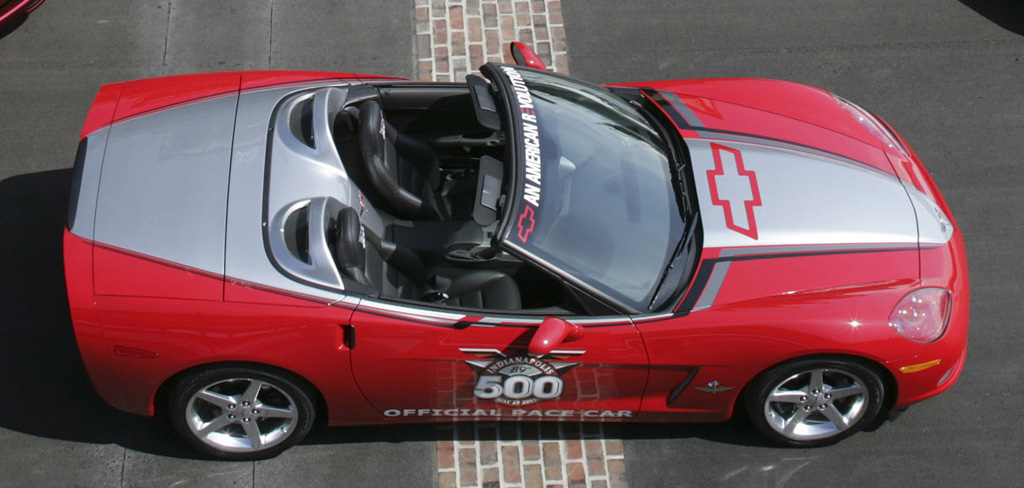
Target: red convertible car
(248,252)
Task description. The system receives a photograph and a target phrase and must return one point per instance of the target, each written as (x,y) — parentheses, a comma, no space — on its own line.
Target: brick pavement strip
(454,37)
(526,455)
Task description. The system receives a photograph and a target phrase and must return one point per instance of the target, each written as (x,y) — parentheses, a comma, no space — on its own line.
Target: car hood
(756,195)
(782,164)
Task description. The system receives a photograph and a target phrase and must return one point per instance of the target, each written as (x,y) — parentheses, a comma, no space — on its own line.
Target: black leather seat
(397,272)
(404,172)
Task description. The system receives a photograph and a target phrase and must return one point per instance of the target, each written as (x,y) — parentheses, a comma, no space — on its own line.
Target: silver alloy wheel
(241,415)
(816,404)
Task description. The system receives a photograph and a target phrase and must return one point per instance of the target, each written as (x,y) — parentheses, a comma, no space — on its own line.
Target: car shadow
(12,25)
(1008,14)
(44,385)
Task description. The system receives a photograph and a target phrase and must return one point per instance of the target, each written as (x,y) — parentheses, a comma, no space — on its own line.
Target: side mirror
(525,56)
(552,332)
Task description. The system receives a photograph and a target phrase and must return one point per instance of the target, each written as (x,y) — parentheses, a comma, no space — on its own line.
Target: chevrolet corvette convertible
(250,253)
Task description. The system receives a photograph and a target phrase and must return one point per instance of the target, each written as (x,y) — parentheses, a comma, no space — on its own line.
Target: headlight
(922,315)
(868,120)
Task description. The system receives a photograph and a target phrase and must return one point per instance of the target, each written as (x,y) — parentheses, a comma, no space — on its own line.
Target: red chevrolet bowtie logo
(734,188)
(526,223)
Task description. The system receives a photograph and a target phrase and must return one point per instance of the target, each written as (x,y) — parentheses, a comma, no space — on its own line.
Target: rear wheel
(241,413)
(814,402)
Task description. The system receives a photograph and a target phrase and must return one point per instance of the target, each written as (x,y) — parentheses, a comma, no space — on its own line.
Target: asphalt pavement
(949,75)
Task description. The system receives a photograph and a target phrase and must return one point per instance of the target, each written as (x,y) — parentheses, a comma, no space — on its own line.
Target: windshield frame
(671,145)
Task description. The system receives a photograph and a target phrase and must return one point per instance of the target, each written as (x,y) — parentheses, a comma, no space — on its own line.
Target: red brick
(539,6)
(533,476)
(575,473)
(523,14)
(508,25)
(490,15)
(445,454)
(459,68)
(617,473)
(492,478)
(472,7)
(446,480)
(594,449)
(596,467)
(422,46)
(492,41)
(505,6)
(467,466)
(510,461)
(531,450)
(557,38)
(526,36)
(616,467)
(555,11)
(573,449)
(543,49)
(598,484)
(552,461)
(488,453)
(561,64)
(455,14)
(476,55)
(458,43)
(440,31)
(475,30)
(425,71)
(613,447)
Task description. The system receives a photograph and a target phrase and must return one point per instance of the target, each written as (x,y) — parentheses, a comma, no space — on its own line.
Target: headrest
(371,121)
(351,244)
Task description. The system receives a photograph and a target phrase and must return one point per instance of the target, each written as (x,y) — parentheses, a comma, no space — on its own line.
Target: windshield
(595,197)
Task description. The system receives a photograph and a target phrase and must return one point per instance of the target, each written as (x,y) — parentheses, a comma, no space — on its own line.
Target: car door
(417,363)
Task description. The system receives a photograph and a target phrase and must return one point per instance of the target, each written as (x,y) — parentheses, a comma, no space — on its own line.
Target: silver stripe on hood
(759,195)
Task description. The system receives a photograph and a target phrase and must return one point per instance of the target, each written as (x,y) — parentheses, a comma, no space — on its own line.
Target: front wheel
(241,413)
(814,402)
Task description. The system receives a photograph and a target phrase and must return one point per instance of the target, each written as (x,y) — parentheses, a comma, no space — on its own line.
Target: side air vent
(296,234)
(301,122)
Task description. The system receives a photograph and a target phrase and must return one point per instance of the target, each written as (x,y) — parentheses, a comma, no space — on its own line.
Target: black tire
(241,413)
(814,402)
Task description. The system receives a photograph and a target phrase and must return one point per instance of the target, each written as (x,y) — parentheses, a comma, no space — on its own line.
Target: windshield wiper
(675,161)
(683,244)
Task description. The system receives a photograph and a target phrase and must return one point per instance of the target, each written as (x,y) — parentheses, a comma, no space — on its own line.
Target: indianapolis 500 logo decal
(518,381)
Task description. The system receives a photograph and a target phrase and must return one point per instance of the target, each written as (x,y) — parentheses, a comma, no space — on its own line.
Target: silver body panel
(300,175)
(804,200)
(163,184)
